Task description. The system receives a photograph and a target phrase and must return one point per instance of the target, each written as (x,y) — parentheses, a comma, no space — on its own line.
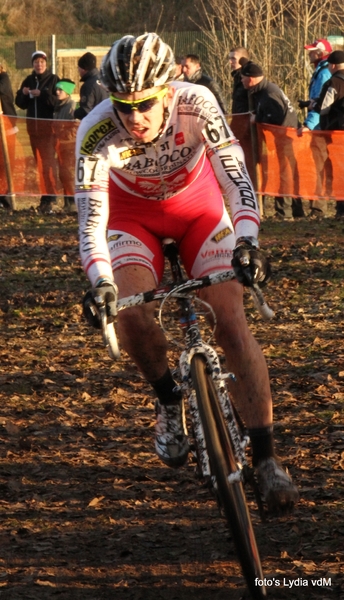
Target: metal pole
(254,141)
(10,193)
(53,53)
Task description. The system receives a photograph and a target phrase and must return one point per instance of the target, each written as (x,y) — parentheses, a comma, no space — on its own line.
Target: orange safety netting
(309,167)
(41,158)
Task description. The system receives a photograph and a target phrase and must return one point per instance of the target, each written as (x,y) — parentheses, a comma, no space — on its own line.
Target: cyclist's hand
(104,294)
(249,264)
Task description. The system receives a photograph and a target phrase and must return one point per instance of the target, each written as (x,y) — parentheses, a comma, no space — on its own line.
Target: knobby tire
(222,463)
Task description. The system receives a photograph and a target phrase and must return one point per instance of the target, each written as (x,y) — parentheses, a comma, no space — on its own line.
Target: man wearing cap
(240,123)
(331,101)
(91,91)
(331,105)
(37,96)
(318,53)
(272,106)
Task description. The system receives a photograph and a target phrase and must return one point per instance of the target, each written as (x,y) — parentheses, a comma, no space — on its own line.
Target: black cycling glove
(249,264)
(105,293)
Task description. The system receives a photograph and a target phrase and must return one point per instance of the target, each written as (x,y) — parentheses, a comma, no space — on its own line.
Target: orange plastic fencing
(309,167)
(41,156)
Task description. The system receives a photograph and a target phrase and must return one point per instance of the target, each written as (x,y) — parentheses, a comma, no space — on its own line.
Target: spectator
(65,139)
(240,123)
(7,107)
(179,74)
(6,93)
(193,74)
(37,96)
(238,57)
(318,53)
(91,91)
(331,104)
(272,106)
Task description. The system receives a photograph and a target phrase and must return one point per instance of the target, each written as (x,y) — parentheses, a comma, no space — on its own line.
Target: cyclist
(152,162)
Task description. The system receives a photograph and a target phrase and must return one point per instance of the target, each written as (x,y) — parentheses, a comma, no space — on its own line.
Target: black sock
(262,443)
(166,389)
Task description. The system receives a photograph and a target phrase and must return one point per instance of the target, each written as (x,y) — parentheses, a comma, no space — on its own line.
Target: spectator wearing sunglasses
(153,162)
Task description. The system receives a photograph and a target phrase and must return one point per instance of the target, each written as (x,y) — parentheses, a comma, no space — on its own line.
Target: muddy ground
(87,510)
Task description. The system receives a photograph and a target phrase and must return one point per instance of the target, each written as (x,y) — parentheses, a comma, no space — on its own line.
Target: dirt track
(88,511)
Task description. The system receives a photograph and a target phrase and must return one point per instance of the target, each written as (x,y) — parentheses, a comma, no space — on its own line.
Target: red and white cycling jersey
(138,191)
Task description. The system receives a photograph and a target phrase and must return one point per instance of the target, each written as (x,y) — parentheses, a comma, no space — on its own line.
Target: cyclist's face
(145,126)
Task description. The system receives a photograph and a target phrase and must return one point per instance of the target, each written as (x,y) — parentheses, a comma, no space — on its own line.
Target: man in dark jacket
(91,91)
(8,109)
(331,105)
(37,96)
(240,123)
(331,101)
(6,93)
(238,57)
(194,74)
(272,106)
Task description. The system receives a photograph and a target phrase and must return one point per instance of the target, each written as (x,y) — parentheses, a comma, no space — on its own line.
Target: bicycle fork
(219,378)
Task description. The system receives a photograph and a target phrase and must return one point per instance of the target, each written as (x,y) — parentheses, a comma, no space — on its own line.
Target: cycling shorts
(195,218)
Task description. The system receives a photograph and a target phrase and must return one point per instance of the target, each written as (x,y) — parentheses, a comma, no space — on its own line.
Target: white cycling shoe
(276,486)
(171,442)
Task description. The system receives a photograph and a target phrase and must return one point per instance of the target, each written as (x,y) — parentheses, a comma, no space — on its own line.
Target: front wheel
(222,464)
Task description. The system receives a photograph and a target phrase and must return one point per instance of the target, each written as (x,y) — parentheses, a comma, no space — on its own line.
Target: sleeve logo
(95,135)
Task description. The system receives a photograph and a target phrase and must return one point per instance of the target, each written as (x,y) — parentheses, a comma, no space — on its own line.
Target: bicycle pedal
(230,376)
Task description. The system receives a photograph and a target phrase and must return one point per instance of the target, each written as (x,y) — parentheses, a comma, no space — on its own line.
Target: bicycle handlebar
(176,290)
(108,333)
(259,301)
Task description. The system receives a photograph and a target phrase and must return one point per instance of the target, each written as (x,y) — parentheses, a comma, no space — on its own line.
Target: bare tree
(274,32)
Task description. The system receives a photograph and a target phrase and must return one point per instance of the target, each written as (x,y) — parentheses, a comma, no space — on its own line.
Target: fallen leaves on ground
(88,512)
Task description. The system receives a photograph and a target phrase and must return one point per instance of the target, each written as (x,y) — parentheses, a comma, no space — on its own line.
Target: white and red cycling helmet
(137,63)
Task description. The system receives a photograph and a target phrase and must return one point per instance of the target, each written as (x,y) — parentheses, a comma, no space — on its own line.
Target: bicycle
(219,437)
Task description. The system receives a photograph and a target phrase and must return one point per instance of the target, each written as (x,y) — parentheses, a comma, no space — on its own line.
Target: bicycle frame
(195,345)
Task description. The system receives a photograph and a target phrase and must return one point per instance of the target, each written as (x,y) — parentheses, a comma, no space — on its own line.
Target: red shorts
(195,218)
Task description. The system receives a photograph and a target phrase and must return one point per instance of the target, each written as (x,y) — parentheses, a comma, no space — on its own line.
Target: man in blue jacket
(319,51)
